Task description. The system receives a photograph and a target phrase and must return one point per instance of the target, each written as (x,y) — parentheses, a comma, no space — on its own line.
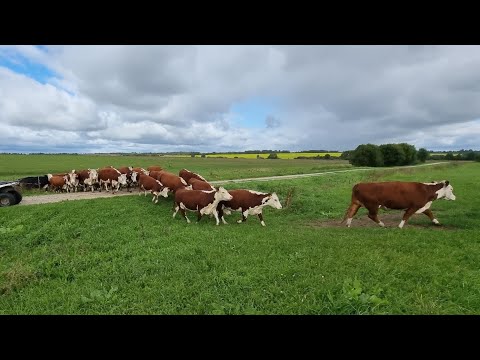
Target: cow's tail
(351,204)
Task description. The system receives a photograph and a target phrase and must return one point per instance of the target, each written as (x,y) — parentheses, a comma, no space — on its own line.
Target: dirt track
(45,199)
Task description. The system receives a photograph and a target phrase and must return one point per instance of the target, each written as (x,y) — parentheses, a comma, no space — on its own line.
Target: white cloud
(168,98)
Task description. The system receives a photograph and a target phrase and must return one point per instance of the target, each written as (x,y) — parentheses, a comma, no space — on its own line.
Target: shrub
(367,155)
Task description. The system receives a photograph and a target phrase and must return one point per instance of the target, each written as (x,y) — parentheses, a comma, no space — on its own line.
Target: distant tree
(272,156)
(345,155)
(203,155)
(449,156)
(327,156)
(410,153)
(367,155)
(192,155)
(477,157)
(470,155)
(422,155)
(393,154)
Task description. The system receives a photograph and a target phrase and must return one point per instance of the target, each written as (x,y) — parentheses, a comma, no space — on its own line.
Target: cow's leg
(352,210)
(184,214)
(373,214)
(406,216)
(244,216)
(260,216)
(429,213)
(215,213)
(199,216)
(220,214)
(176,209)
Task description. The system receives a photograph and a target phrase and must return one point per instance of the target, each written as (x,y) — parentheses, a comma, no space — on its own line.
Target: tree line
(399,155)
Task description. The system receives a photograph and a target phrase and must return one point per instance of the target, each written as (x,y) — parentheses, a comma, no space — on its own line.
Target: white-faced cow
(414,197)
(187,175)
(87,178)
(200,184)
(131,176)
(112,176)
(203,202)
(147,183)
(248,202)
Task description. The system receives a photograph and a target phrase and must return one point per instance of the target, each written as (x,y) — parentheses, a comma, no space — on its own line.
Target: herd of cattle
(193,192)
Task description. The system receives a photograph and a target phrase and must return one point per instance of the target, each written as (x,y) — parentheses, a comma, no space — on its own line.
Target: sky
(132,98)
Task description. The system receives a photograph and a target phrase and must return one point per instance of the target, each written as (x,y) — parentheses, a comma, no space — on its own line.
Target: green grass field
(15,166)
(126,255)
(291,155)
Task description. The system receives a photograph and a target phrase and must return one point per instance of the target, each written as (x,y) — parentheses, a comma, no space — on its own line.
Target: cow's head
(93,174)
(223,195)
(73,177)
(446,192)
(122,179)
(133,176)
(164,192)
(273,201)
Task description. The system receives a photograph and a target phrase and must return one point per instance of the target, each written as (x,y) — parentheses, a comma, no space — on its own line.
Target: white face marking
(134,176)
(274,202)
(122,179)
(222,195)
(446,193)
(401,224)
(425,207)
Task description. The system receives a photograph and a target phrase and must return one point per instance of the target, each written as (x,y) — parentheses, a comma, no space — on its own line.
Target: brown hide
(154,168)
(194,199)
(394,194)
(242,199)
(172,181)
(148,183)
(199,184)
(156,174)
(108,174)
(187,175)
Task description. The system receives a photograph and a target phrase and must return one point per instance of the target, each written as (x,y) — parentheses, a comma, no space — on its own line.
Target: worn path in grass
(44,199)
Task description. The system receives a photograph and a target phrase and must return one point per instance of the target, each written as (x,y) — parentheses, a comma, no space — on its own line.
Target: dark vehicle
(9,193)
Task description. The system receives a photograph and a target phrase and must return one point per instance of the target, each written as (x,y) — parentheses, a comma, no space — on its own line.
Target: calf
(147,183)
(111,176)
(203,202)
(248,202)
(414,197)
(200,184)
(187,175)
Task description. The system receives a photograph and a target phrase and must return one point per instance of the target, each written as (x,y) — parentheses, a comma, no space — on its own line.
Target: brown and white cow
(111,176)
(131,176)
(413,197)
(187,175)
(147,183)
(203,202)
(172,181)
(87,178)
(156,173)
(58,183)
(248,202)
(141,170)
(154,168)
(200,184)
(72,179)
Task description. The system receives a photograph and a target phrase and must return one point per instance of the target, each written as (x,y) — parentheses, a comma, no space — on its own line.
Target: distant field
(15,166)
(280,155)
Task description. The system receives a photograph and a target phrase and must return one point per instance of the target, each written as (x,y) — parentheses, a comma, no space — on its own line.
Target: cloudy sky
(233,98)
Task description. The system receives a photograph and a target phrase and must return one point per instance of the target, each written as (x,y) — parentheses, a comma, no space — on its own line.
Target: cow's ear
(447,182)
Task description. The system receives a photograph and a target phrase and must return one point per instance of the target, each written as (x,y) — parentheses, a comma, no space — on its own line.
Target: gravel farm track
(45,199)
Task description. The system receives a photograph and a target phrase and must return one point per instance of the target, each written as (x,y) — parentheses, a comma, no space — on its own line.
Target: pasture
(15,166)
(125,255)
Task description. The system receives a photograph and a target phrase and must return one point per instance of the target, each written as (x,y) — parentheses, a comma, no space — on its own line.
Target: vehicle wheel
(18,196)
(7,199)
